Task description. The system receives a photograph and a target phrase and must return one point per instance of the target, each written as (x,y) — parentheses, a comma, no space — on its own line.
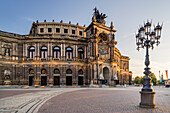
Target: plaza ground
(81,100)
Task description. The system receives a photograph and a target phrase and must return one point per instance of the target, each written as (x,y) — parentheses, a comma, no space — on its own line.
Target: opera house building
(58,53)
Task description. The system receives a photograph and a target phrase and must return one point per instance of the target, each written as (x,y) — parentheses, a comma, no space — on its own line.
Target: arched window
(32,52)
(56,52)
(31,71)
(43,71)
(44,52)
(80,53)
(80,72)
(56,71)
(69,53)
(68,71)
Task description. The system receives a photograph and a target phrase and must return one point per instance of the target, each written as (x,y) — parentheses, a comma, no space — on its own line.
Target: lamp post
(146,38)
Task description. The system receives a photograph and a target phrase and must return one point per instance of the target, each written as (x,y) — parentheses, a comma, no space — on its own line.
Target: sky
(17,16)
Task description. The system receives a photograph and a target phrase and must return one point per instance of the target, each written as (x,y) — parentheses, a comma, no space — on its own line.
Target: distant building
(63,54)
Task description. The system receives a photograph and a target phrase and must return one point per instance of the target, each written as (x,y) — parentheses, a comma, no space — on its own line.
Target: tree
(137,80)
(153,78)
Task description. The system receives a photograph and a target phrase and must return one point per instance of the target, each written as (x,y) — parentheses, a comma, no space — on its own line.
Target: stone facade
(63,54)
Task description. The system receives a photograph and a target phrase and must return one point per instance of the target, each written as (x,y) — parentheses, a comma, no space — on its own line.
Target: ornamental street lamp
(147,38)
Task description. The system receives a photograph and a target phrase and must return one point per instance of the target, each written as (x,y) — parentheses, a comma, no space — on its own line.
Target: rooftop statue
(99,17)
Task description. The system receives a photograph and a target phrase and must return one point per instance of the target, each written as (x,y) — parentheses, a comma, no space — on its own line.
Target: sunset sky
(17,16)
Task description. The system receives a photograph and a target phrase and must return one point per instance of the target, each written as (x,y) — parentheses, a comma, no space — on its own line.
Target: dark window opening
(41,30)
(80,33)
(65,30)
(73,32)
(49,29)
(57,30)
(7,52)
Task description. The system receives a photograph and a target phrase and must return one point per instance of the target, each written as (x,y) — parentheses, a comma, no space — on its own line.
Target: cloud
(128,35)
(167,22)
(28,19)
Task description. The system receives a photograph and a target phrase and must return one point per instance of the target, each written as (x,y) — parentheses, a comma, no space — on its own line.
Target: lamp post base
(147,99)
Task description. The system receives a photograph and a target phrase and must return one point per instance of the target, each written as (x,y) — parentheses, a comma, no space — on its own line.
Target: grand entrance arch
(106,75)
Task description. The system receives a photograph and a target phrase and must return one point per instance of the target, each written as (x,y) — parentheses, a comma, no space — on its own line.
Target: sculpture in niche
(7,80)
(7,74)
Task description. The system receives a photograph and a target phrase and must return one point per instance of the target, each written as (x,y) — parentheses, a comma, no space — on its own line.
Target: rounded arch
(31,48)
(80,72)
(56,48)
(56,52)
(43,71)
(106,74)
(56,71)
(69,48)
(80,53)
(31,51)
(69,53)
(68,71)
(31,71)
(43,47)
(43,52)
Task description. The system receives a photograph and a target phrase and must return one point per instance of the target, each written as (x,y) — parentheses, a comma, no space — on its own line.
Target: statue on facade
(7,80)
(99,17)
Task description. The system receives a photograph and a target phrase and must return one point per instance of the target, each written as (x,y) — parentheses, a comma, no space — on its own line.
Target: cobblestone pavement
(80,100)
(112,100)
(7,93)
(29,100)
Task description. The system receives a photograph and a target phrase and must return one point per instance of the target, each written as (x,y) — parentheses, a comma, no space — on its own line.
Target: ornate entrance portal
(106,75)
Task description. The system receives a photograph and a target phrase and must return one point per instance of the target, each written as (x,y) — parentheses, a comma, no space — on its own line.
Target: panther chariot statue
(99,18)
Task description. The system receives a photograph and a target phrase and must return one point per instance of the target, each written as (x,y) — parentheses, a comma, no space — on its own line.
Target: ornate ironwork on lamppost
(147,38)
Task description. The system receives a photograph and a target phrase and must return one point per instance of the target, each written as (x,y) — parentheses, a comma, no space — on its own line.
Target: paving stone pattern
(105,101)
(80,100)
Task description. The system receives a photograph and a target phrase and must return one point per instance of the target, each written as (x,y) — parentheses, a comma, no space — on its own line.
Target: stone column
(48,52)
(23,50)
(38,54)
(64,52)
(85,52)
(26,50)
(76,52)
(61,49)
(51,56)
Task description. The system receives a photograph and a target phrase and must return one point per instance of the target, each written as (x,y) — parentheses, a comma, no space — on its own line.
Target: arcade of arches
(57,53)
